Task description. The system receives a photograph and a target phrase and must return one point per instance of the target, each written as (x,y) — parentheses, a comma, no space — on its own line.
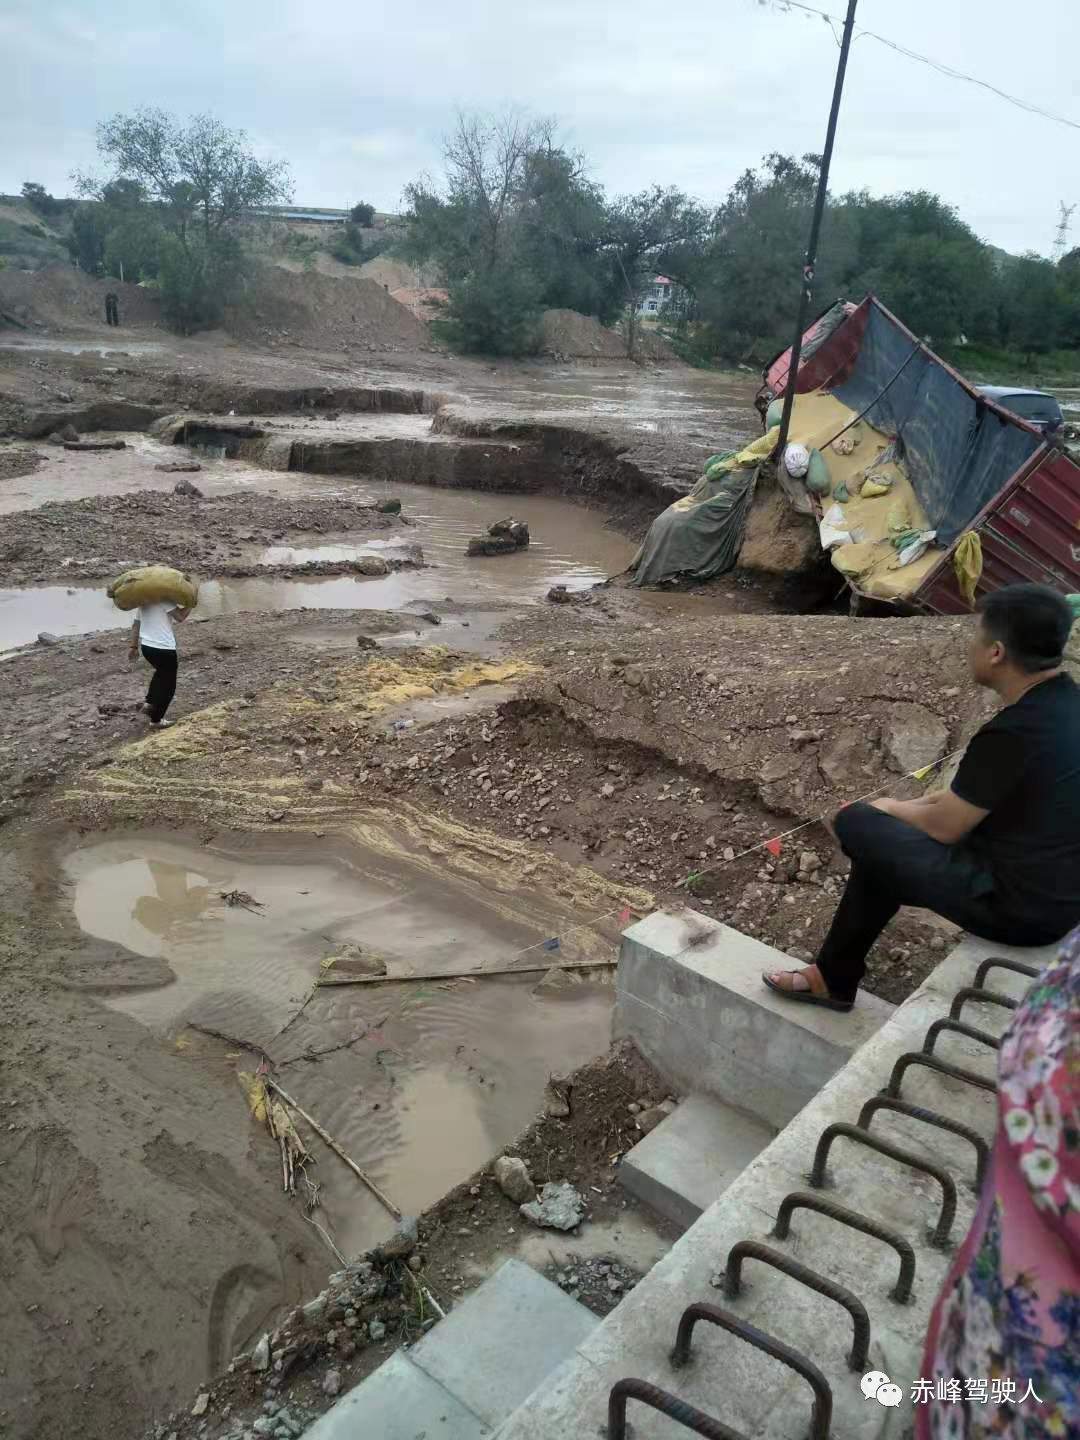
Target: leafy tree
(657,229)
(495,311)
(41,202)
(748,276)
(362,214)
(561,223)
(920,258)
(201,173)
(198,278)
(1032,310)
(174,201)
(88,237)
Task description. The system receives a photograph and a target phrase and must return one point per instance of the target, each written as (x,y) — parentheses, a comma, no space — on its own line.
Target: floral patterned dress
(1003,1349)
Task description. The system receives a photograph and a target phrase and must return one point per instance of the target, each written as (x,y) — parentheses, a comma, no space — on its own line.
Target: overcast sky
(356,93)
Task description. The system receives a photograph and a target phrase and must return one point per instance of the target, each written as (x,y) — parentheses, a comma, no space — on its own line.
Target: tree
(657,229)
(174,201)
(915,252)
(41,202)
(495,311)
(1032,309)
(747,277)
(87,238)
(363,214)
(200,173)
(514,227)
(561,220)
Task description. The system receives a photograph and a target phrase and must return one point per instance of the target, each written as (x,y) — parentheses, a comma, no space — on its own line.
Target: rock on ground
(560,1207)
(513,1178)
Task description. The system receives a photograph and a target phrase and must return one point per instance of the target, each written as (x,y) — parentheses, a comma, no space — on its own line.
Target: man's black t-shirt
(1024,767)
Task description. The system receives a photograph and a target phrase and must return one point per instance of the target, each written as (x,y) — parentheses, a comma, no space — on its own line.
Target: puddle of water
(307,554)
(107,349)
(444,1073)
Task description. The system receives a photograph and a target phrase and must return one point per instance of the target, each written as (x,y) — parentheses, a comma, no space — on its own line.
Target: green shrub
(495,312)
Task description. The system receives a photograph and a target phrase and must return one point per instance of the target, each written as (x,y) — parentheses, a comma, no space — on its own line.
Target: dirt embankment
(567,334)
(665,758)
(320,311)
(324,311)
(63,298)
(100,536)
(662,759)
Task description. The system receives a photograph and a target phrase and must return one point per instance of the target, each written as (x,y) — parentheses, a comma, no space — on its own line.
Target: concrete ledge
(689,994)
(690,1159)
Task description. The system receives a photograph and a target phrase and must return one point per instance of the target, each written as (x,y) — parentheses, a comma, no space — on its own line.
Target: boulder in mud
(502,538)
(512,529)
(513,1179)
(389,507)
(491,545)
(559,1207)
(371,565)
(185,487)
(912,737)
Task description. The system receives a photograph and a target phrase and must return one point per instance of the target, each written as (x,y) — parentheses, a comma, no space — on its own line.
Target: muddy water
(571,547)
(438,1075)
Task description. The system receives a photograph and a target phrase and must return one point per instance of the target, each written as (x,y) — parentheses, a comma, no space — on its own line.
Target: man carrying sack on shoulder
(999,852)
(153,633)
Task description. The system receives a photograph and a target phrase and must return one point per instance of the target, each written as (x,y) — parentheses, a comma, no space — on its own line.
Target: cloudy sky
(356,93)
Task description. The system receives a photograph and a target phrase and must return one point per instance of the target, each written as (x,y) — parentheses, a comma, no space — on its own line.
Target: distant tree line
(515,226)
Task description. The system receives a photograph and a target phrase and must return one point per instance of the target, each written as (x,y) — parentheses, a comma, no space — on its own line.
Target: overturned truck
(924,492)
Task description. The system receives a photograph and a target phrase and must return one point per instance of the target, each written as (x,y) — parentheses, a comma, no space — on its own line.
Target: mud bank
(98,536)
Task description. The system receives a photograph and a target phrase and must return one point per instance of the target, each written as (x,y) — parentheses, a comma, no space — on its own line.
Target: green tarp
(700,535)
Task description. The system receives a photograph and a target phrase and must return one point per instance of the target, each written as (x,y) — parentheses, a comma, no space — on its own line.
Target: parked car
(1034,406)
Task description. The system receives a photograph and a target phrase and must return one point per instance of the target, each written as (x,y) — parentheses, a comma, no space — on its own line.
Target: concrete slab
(496,1347)
(398,1402)
(729,1380)
(689,993)
(690,1159)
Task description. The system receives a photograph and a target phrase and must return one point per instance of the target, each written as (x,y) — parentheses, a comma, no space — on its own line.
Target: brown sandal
(807,996)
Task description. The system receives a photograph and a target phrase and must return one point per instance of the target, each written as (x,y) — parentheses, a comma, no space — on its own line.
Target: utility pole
(815,228)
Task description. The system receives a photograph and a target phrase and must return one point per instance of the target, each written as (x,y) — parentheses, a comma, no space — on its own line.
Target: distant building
(657,297)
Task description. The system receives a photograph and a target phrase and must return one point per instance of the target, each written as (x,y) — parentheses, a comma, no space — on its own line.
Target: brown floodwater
(439,1075)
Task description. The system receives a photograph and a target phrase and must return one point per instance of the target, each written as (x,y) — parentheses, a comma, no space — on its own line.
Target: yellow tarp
(870,559)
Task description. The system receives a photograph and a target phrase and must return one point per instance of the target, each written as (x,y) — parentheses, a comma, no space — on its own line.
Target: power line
(948,71)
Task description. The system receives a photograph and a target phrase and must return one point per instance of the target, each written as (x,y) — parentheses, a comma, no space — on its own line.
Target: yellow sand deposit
(870,561)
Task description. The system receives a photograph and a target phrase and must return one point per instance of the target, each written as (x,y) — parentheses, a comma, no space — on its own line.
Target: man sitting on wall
(999,852)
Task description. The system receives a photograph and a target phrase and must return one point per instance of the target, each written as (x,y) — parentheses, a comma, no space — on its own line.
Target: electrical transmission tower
(1061,238)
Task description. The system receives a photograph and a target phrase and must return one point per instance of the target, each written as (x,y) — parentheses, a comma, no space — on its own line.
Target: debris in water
(233,898)
(502,538)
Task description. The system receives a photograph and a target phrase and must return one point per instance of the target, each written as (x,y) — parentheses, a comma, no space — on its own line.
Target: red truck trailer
(973,465)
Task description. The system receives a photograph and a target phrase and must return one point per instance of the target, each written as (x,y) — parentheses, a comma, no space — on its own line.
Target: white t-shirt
(155,629)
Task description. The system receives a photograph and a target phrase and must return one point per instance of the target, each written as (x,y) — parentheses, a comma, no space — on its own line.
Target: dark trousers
(893,864)
(162,682)
(112,313)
